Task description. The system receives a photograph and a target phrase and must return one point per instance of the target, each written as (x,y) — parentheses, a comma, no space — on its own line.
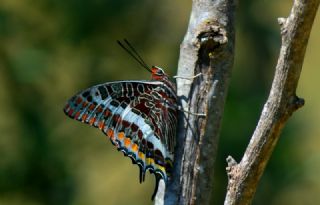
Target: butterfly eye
(160,72)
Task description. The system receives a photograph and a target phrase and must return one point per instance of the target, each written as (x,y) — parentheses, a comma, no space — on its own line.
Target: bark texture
(281,103)
(207,48)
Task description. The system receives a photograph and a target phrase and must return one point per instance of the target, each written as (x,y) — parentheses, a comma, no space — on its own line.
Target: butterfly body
(139,117)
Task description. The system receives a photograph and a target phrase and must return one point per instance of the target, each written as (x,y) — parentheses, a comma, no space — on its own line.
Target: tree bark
(281,103)
(207,48)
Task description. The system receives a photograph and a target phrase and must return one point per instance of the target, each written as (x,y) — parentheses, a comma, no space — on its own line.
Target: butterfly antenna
(133,53)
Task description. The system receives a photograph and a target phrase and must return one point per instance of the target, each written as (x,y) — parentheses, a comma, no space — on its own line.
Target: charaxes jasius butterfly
(139,117)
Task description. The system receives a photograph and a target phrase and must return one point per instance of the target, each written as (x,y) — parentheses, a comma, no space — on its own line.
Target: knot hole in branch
(211,43)
(295,103)
(231,168)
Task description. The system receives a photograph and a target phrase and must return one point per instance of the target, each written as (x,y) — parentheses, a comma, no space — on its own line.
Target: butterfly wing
(139,117)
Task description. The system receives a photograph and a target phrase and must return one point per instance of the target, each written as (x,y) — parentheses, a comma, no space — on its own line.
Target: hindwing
(139,117)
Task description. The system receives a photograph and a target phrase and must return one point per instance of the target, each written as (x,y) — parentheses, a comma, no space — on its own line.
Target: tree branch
(281,103)
(208,48)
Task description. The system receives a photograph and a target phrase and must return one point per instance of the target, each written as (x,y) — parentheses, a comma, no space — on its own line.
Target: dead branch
(281,103)
(207,48)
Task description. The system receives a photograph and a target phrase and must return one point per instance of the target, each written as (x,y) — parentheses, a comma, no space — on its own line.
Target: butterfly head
(157,73)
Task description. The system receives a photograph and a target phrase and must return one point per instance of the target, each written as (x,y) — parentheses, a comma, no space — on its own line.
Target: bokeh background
(51,49)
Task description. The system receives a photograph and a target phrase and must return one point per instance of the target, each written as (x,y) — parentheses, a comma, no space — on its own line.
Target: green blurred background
(51,49)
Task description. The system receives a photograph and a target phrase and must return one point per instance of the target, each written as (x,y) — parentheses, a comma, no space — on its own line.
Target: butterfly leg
(212,92)
(192,113)
(181,108)
(189,77)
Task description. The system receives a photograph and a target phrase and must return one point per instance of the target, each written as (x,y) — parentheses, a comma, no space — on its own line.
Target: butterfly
(139,117)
